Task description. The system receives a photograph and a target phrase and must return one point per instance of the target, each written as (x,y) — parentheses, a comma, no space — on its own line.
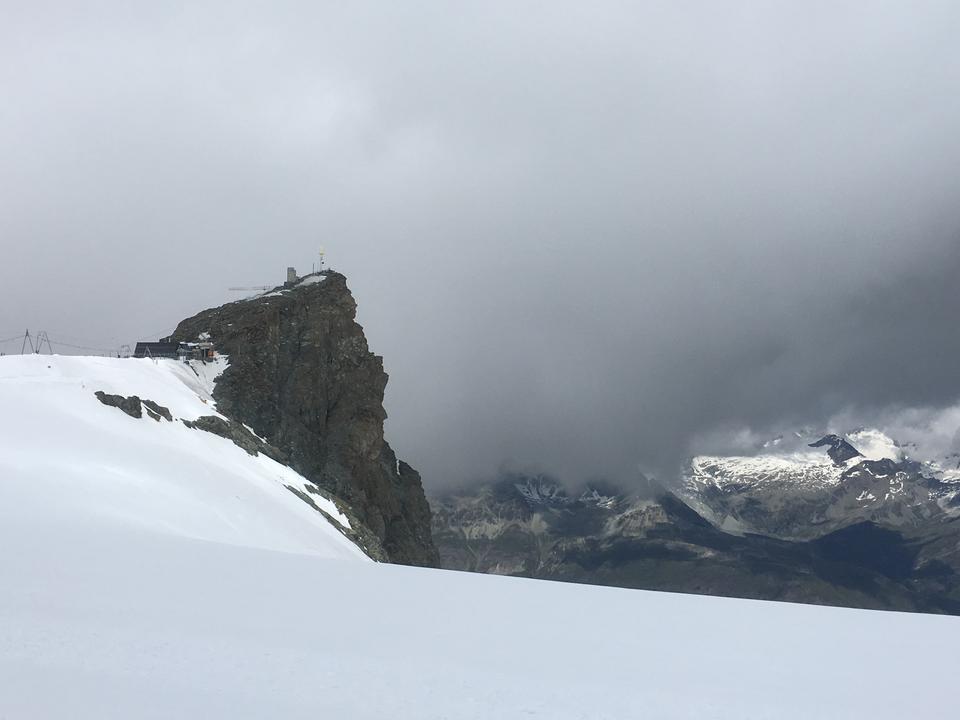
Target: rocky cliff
(300,375)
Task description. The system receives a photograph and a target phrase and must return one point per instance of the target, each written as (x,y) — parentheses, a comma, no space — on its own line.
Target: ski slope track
(153,571)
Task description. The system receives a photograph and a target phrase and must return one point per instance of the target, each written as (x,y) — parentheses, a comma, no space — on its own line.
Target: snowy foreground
(205,589)
(67,458)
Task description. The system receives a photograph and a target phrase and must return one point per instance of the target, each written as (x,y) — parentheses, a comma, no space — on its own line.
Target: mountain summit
(839,449)
(303,379)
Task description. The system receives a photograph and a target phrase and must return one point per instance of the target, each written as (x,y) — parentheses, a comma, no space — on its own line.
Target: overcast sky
(581,234)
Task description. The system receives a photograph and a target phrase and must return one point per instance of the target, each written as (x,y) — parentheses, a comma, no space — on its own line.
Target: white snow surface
(126,625)
(151,571)
(308,280)
(312,279)
(68,459)
(811,468)
(806,467)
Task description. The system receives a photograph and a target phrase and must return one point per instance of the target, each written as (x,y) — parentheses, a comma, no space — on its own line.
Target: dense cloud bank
(581,235)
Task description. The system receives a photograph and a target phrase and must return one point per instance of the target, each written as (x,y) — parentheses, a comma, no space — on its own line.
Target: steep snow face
(68,462)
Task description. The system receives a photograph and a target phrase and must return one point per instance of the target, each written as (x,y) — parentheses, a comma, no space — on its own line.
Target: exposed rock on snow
(157,411)
(132,406)
(129,405)
(839,449)
(237,433)
(70,457)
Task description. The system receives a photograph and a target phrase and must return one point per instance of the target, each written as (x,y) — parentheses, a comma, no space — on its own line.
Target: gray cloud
(581,236)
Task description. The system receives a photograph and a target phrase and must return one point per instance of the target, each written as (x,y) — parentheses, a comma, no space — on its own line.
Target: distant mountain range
(804,494)
(841,520)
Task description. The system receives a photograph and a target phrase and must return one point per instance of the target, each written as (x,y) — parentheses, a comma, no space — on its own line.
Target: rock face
(236,433)
(130,405)
(530,526)
(839,449)
(301,377)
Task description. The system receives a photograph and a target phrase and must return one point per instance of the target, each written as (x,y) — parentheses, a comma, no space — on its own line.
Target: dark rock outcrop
(157,411)
(839,449)
(236,433)
(301,376)
(130,405)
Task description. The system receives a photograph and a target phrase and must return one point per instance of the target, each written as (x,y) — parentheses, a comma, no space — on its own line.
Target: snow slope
(162,627)
(69,460)
(133,593)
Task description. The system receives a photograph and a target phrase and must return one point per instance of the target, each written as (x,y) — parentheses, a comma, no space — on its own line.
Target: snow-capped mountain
(533,527)
(828,483)
(543,491)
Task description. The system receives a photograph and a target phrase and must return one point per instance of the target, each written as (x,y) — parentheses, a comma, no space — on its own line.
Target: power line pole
(42,338)
(27,339)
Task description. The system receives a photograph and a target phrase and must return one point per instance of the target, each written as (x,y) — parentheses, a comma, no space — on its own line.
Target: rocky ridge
(532,527)
(301,377)
(847,530)
(804,495)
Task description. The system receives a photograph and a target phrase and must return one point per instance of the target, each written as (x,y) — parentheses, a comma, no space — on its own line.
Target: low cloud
(582,237)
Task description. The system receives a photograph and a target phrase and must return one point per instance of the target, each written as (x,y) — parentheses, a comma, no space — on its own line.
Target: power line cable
(84,347)
(162,333)
(26,337)
(81,340)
